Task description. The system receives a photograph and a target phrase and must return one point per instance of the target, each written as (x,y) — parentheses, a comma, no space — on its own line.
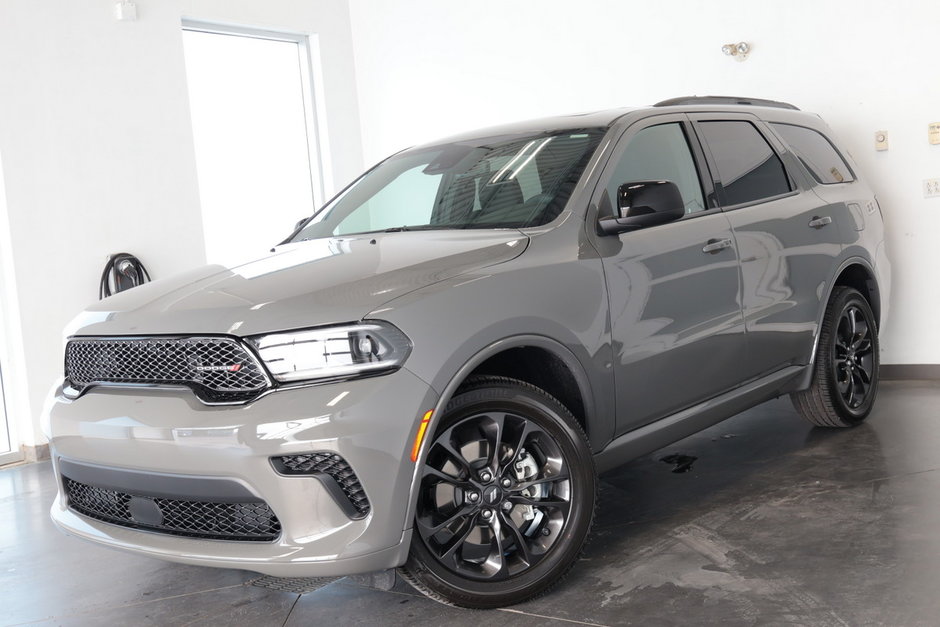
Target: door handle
(715,245)
(818,223)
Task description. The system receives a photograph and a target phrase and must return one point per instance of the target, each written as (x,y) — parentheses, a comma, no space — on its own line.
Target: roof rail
(724,100)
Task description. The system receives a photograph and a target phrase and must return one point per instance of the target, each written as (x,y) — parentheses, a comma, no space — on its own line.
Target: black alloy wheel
(506,497)
(845,373)
(853,357)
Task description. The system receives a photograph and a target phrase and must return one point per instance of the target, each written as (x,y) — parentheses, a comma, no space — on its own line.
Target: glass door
(8,454)
(5,444)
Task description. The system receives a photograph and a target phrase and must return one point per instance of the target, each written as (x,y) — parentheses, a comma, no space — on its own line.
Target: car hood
(298,285)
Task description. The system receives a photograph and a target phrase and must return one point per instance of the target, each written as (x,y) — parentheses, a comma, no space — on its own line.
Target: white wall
(427,69)
(98,157)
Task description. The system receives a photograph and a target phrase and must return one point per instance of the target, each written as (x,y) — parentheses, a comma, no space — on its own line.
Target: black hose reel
(122,272)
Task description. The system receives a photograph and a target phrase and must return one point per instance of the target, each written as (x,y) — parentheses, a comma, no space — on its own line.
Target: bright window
(254,131)
(4,427)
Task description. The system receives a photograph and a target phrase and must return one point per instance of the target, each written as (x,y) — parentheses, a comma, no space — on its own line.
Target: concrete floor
(776,523)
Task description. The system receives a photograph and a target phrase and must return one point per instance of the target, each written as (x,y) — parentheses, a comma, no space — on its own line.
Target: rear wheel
(506,497)
(845,373)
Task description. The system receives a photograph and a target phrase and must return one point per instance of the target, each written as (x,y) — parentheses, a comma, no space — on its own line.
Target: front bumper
(370,422)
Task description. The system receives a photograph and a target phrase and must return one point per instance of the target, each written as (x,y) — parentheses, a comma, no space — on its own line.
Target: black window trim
(774,142)
(845,162)
(706,174)
(760,201)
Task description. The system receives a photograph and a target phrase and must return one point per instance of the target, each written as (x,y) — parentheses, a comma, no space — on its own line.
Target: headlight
(329,352)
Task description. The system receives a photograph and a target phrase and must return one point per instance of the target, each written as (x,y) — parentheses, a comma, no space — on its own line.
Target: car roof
(591,119)
(769,110)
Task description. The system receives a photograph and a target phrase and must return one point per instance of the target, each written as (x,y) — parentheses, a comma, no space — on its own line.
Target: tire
(506,498)
(845,373)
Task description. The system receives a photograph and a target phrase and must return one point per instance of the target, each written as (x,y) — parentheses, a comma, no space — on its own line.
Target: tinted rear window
(748,167)
(816,153)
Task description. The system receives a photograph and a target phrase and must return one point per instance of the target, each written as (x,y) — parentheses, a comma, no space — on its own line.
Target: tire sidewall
(557,422)
(849,297)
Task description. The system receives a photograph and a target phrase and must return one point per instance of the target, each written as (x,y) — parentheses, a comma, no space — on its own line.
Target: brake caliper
(525,469)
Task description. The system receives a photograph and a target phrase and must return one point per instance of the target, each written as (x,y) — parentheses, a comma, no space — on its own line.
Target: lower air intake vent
(198,519)
(331,465)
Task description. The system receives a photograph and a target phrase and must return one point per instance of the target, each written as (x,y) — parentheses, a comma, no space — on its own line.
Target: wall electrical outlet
(931,188)
(933,133)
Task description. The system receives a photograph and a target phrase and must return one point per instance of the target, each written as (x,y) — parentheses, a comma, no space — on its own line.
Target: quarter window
(816,153)
(748,167)
(660,153)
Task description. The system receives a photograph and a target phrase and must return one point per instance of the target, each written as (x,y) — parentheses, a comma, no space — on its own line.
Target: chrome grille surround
(219,370)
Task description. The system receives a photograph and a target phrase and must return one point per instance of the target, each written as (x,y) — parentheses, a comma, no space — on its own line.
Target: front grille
(197,519)
(218,369)
(331,465)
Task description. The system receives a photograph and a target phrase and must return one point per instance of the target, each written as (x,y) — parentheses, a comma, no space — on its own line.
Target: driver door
(677,327)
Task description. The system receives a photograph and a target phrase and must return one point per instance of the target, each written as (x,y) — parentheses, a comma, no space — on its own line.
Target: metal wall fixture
(739,50)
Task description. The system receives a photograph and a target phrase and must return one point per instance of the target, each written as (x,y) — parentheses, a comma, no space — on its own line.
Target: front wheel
(845,373)
(506,497)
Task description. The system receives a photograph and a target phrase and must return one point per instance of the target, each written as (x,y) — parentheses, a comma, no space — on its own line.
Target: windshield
(487,183)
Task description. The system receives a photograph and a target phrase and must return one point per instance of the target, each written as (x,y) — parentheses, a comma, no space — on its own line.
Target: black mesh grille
(331,465)
(198,519)
(219,370)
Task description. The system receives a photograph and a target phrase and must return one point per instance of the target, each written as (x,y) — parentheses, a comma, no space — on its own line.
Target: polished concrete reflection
(772,523)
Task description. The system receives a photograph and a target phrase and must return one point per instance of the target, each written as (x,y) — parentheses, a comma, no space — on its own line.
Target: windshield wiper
(401,229)
(422,227)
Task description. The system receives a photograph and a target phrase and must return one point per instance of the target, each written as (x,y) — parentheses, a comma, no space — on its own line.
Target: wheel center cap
(492,495)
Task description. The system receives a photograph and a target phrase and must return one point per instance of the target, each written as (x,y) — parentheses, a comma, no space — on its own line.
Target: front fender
(559,350)
(559,306)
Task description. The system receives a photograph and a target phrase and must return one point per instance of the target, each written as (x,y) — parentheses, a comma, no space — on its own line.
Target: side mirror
(300,223)
(642,204)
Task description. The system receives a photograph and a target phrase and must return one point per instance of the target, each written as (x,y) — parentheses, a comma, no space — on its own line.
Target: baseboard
(36,453)
(895,372)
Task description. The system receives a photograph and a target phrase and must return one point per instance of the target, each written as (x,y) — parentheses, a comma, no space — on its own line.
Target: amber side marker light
(420,437)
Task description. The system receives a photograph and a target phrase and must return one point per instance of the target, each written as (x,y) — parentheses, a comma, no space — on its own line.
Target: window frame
(698,157)
(776,146)
(13,386)
(311,77)
(14,454)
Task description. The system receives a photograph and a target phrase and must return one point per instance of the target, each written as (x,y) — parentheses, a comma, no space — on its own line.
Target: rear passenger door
(788,241)
(677,329)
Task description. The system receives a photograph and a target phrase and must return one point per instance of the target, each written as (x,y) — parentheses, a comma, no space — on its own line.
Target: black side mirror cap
(642,204)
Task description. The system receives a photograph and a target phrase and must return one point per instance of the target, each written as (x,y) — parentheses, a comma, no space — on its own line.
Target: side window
(816,153)
(748,167)
(660,153)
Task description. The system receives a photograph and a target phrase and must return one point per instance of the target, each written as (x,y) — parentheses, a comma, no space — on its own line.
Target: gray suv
(431,371)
